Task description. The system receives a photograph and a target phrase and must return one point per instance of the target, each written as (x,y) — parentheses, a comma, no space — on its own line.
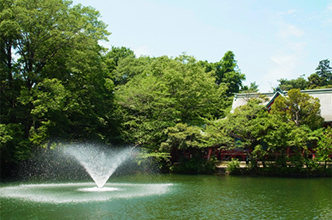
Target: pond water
(171,197)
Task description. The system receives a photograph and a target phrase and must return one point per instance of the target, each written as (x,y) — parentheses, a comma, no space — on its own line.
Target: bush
(195,165)
(233,166)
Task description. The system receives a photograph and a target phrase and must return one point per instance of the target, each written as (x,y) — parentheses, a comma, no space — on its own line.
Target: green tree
(251,89)
(116,54)
(230,73)
(129,67)
(323,75)
(53,74)
(314,81)
(324,145)
(226,72)
(299,83)
(325,72)
(145,109)
(300,108)
(244,125)
(166,92)
(182,137)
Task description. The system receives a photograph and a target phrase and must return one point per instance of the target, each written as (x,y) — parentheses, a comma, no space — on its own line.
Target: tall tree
(129,67)
(226,72)
(300,108)
(53,73)
(167,92)
(116,54)
(323,75)
(325,71)
(230,73)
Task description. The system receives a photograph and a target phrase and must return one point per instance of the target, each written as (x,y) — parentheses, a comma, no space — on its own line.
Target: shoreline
(271,170)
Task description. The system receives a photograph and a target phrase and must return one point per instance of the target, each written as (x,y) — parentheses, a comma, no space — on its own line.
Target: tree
(251,89)
(324,145)
(230,73)
(116,54)
(145,110)
(300,108)
(323,75)
(53,74)
(192,140)
(325,71)
(314,81)
(182,137)
(226,72)
(166,92)
(299,83)
(244,124)
(129,67)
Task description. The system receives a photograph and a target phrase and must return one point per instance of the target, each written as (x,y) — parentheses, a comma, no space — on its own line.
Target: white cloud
(329,7)
(286,59)
(286,62)
(288,30)
(291,11)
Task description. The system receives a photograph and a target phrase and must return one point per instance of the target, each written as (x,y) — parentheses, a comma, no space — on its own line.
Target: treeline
(321,78)
(59,85)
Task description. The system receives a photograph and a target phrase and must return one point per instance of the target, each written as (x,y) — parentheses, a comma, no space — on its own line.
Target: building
(324,95)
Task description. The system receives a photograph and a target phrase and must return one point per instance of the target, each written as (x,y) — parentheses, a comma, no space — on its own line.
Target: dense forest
(59,85)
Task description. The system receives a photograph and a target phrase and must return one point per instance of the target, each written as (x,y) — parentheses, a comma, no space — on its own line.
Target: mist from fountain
(100,164)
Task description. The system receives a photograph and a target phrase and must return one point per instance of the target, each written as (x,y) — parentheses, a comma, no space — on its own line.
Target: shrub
(233,166)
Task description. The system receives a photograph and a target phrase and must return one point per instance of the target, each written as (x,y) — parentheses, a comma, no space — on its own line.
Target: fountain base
(80,192)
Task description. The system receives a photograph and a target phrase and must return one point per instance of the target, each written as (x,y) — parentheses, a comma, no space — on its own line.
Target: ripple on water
(81,192)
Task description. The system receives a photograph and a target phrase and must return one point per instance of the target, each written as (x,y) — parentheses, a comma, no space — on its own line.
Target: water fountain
(100,164)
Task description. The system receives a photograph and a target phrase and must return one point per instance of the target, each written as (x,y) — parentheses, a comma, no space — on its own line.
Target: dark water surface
(171,197)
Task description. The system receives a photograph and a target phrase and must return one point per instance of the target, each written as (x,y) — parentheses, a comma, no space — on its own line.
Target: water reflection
(188,197)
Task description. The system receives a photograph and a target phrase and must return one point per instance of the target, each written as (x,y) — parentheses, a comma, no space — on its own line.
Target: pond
(171,197)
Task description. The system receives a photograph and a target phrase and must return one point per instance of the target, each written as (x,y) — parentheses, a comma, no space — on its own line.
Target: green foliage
(116,54)
(323,75)
(226,72)
(245,124)
(54,80)
(251,89)
(129,67)
(195,165)
(182,137)
(13,145)
(167,91)
(322,78)
(324,145)
(58,83)
(233,165)
(299,83)
(300,108)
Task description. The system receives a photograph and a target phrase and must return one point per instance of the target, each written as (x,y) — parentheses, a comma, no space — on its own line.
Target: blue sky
(271,39)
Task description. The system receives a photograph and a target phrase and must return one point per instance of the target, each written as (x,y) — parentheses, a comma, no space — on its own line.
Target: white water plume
(100,164)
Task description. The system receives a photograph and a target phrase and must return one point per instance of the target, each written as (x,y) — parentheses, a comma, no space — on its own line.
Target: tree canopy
(322,78)
(54,78)
(58,84)
(167,92)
